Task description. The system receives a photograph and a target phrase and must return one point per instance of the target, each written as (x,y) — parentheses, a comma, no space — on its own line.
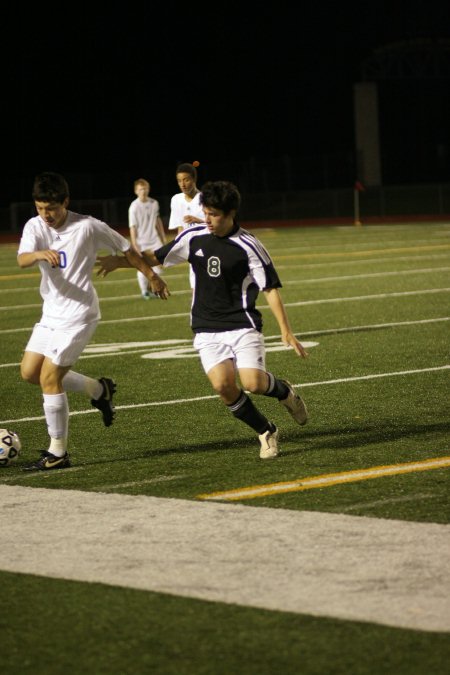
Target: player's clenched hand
(291,341)
(159,287)
(107,264)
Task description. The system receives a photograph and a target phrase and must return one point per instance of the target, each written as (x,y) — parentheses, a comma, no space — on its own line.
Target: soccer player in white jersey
(231,266)
(146,229)
(185,207)
(64,244)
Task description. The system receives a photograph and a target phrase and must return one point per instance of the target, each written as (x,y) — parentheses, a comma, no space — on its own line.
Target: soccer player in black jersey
(231,266)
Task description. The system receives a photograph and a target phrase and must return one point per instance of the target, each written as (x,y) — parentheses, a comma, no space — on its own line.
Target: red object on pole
(359,186)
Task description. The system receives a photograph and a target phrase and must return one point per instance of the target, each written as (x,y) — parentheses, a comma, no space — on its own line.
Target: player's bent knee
(228,392)
(254,385)
(31,378)
(221,388)
(254,388)
(29,375)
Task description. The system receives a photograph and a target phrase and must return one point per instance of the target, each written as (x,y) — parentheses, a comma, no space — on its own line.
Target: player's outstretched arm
(109,263)
(278,310)
(143,264)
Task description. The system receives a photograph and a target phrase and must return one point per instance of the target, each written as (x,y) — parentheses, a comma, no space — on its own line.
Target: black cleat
(48,461)
(105,402)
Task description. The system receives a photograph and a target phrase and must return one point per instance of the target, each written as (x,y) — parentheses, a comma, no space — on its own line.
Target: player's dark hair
(50,187)
(220,195)
(187,168)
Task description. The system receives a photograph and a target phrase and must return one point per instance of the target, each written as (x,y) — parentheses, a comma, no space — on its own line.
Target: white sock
(73,381)
(58,446)
(142,281)
(56,409)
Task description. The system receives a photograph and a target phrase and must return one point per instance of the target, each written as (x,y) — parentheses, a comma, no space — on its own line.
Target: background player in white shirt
(185,207)
(146,229)
(65,245)
(231,266)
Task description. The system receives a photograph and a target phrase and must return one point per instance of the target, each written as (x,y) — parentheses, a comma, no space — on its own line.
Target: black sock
(277,388)
(245,411)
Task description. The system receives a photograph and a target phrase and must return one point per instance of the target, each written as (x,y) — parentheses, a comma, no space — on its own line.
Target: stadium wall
(271,209)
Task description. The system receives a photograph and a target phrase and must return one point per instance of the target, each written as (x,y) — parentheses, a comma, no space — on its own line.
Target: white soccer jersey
(142,216)
(180,207)
(70,298)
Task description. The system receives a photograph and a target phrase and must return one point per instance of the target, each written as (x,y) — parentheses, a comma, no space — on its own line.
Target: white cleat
(295,405)
(269,445)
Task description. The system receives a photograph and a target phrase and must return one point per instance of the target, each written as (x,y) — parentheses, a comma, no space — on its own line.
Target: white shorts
(62,346)
(244,346)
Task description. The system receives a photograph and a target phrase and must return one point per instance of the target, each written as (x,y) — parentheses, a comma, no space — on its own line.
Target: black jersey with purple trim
(229,273)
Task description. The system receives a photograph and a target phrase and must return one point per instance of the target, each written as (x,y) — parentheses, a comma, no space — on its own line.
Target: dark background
(107,93)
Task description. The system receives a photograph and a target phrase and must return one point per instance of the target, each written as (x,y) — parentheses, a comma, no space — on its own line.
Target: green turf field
(373,304)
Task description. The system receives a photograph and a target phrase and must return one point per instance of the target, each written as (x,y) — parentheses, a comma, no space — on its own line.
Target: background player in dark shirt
(231,266)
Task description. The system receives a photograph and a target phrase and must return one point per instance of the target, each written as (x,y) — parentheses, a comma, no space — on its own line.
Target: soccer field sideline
(320,564)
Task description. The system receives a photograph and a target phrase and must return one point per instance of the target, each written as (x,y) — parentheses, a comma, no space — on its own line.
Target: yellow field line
(5,277)
(326,480)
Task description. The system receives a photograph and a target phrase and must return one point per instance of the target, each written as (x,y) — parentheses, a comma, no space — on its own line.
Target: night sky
(117,91)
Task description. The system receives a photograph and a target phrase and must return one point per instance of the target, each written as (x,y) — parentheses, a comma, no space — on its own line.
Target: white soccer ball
(10,447)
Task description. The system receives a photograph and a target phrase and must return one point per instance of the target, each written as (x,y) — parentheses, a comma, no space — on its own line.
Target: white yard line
(374,296)
(296,282)
(328,264)
(366,275)
(329,565)
(120,348)
(128,297)
(362,261)
(366,506)
(321,301)
(194,399)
